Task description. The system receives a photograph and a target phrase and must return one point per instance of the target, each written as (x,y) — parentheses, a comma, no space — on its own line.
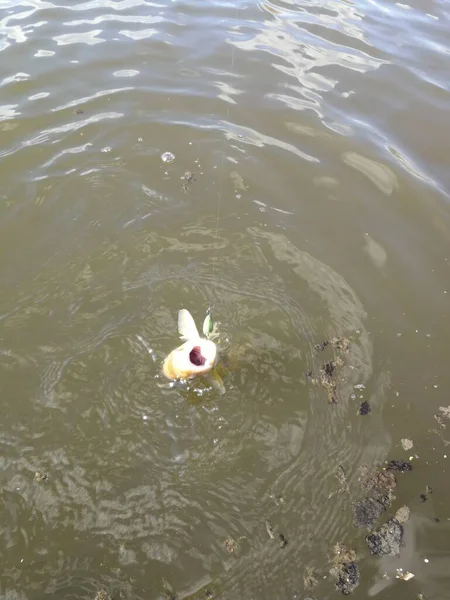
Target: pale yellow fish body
(196,356)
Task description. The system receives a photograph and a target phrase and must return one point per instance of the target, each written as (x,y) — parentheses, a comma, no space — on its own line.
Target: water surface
(317,135)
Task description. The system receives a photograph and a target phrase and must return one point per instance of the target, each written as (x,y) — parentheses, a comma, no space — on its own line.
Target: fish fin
(217,381)
(186,325)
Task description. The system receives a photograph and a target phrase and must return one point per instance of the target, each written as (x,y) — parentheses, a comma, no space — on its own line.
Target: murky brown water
(319,130)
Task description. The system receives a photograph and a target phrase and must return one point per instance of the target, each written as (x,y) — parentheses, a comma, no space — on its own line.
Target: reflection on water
(285,162)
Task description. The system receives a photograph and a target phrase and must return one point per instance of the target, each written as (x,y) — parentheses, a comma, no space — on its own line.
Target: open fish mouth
(196,357)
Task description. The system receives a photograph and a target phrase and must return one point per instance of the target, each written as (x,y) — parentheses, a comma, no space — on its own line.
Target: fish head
(195,357)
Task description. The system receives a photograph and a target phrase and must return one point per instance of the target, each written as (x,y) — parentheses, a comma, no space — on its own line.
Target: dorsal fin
(186,325)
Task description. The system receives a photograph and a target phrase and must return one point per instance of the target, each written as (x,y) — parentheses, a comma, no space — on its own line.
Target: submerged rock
(345,569)
(379,484)
(347,577)
(387,540)
(377,480)
(399,465)
(366,512)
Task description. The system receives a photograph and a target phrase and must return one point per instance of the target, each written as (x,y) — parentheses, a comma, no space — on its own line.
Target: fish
(197,355)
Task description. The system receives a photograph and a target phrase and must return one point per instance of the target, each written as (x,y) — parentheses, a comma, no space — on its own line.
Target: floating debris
(341,477)
(169,592)
(341,344)
(283,541)
(78,111)
(102,595)
(310,579)
(443,415)
(230,545)
(398,465)
(364,408)
(325,378)
(428,490)
(407,444)
(168,157)
(269,529)
(320,347)
(189,178)
(345,569)
(38,476)
(387,540)
(330,387)
(404,576)
(336,342)
(327,373)
(330,367)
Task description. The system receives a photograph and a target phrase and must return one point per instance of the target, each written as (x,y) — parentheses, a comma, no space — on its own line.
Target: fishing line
(219,200)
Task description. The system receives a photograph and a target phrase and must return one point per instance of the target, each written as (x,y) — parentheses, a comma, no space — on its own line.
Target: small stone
(403,514)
